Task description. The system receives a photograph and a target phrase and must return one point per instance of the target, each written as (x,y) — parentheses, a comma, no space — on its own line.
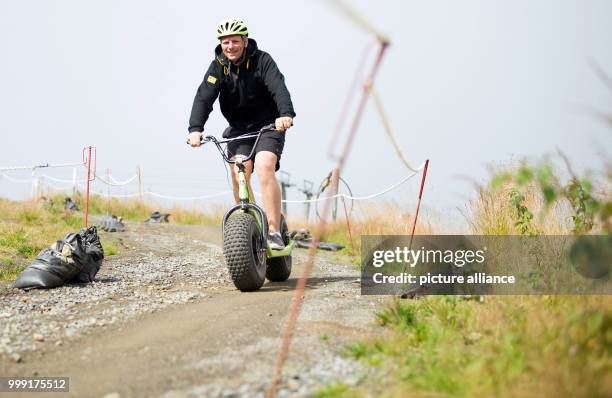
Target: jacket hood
(250,51)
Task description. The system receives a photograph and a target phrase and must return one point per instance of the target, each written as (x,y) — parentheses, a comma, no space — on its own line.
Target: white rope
(392,187)
(39,166)
(187,198)
(65,165)
(214,195)
(132,178)
(158,195)
(13,179)
(56,188)
(181,180)
(129,195)
(114,183)
(170,197)
(14,168)
(61,180)
(384,191)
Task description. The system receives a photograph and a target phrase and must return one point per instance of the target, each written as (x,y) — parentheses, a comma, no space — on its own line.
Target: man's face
(233,47)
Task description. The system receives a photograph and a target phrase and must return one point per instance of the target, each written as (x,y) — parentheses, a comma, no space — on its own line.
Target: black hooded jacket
(251,95)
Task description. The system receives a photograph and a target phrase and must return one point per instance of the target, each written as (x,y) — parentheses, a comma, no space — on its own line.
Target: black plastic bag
(306,244)
(95,252)
(70,205)
(112,223)
(157,217)
(303,239)
(55,265)
(76,258)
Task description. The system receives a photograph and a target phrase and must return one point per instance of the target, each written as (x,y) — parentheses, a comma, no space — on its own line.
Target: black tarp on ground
(303,239)
(70,205)
(112,223)
(157,217)
(76,258)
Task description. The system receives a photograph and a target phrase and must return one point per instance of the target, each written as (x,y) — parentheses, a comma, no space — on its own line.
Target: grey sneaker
(275,241)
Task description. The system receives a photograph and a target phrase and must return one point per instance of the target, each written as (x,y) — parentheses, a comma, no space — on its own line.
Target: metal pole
(139,172)
(74,182)
(307,191)
(348,225)
(284,197)
(334,183)
(108,187)
(416,216)
(285,182)
(307,205)
(88,180)
(35,184)
(419,203)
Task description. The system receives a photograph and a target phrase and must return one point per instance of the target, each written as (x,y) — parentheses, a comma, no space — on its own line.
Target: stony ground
(164,320)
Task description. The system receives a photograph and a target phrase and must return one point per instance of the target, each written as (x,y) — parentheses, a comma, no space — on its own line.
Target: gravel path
(163,319)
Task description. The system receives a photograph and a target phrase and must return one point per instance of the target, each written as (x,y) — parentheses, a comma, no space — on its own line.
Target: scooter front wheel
(244,252)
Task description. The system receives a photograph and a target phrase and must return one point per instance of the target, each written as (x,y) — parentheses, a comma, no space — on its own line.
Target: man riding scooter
(252,94)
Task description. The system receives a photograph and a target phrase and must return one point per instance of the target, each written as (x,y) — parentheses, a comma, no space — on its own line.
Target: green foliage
(584,205)
(20,243)
(506,346)
(28,227)
(335,390)
(522,216)
(30,216)
(9,271)
(500,180)
(587,209)
(402,317)
(109,249)
(524,175)
(134,210)
(358,350)
(545,177)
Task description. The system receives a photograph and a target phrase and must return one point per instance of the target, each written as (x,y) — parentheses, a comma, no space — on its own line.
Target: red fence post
(419,203)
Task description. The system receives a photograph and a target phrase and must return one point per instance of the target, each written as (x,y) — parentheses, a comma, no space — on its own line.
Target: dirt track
(164,320)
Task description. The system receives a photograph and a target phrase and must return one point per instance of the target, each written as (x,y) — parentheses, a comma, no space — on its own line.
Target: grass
(27,227)
(385,219)
(136,210)
(335,390)
(524,346)
(502,346)
(109,249)
(443,346)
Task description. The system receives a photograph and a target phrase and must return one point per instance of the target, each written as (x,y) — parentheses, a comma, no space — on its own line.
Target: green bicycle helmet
(230,27)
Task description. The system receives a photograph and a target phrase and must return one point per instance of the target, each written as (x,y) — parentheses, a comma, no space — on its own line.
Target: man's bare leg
(265,167)
(248,170)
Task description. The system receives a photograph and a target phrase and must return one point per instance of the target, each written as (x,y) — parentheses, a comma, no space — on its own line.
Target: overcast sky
(464,84)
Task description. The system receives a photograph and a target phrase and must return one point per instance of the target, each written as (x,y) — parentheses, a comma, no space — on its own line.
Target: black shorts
(271,141)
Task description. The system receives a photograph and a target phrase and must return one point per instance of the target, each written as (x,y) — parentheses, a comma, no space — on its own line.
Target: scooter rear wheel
(279,268)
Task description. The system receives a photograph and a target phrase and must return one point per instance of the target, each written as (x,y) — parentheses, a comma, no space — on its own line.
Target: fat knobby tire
(279,268)
(241,241)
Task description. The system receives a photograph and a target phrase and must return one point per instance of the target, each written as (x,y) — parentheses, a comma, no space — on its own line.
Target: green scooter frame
(245,241)
(247,205)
